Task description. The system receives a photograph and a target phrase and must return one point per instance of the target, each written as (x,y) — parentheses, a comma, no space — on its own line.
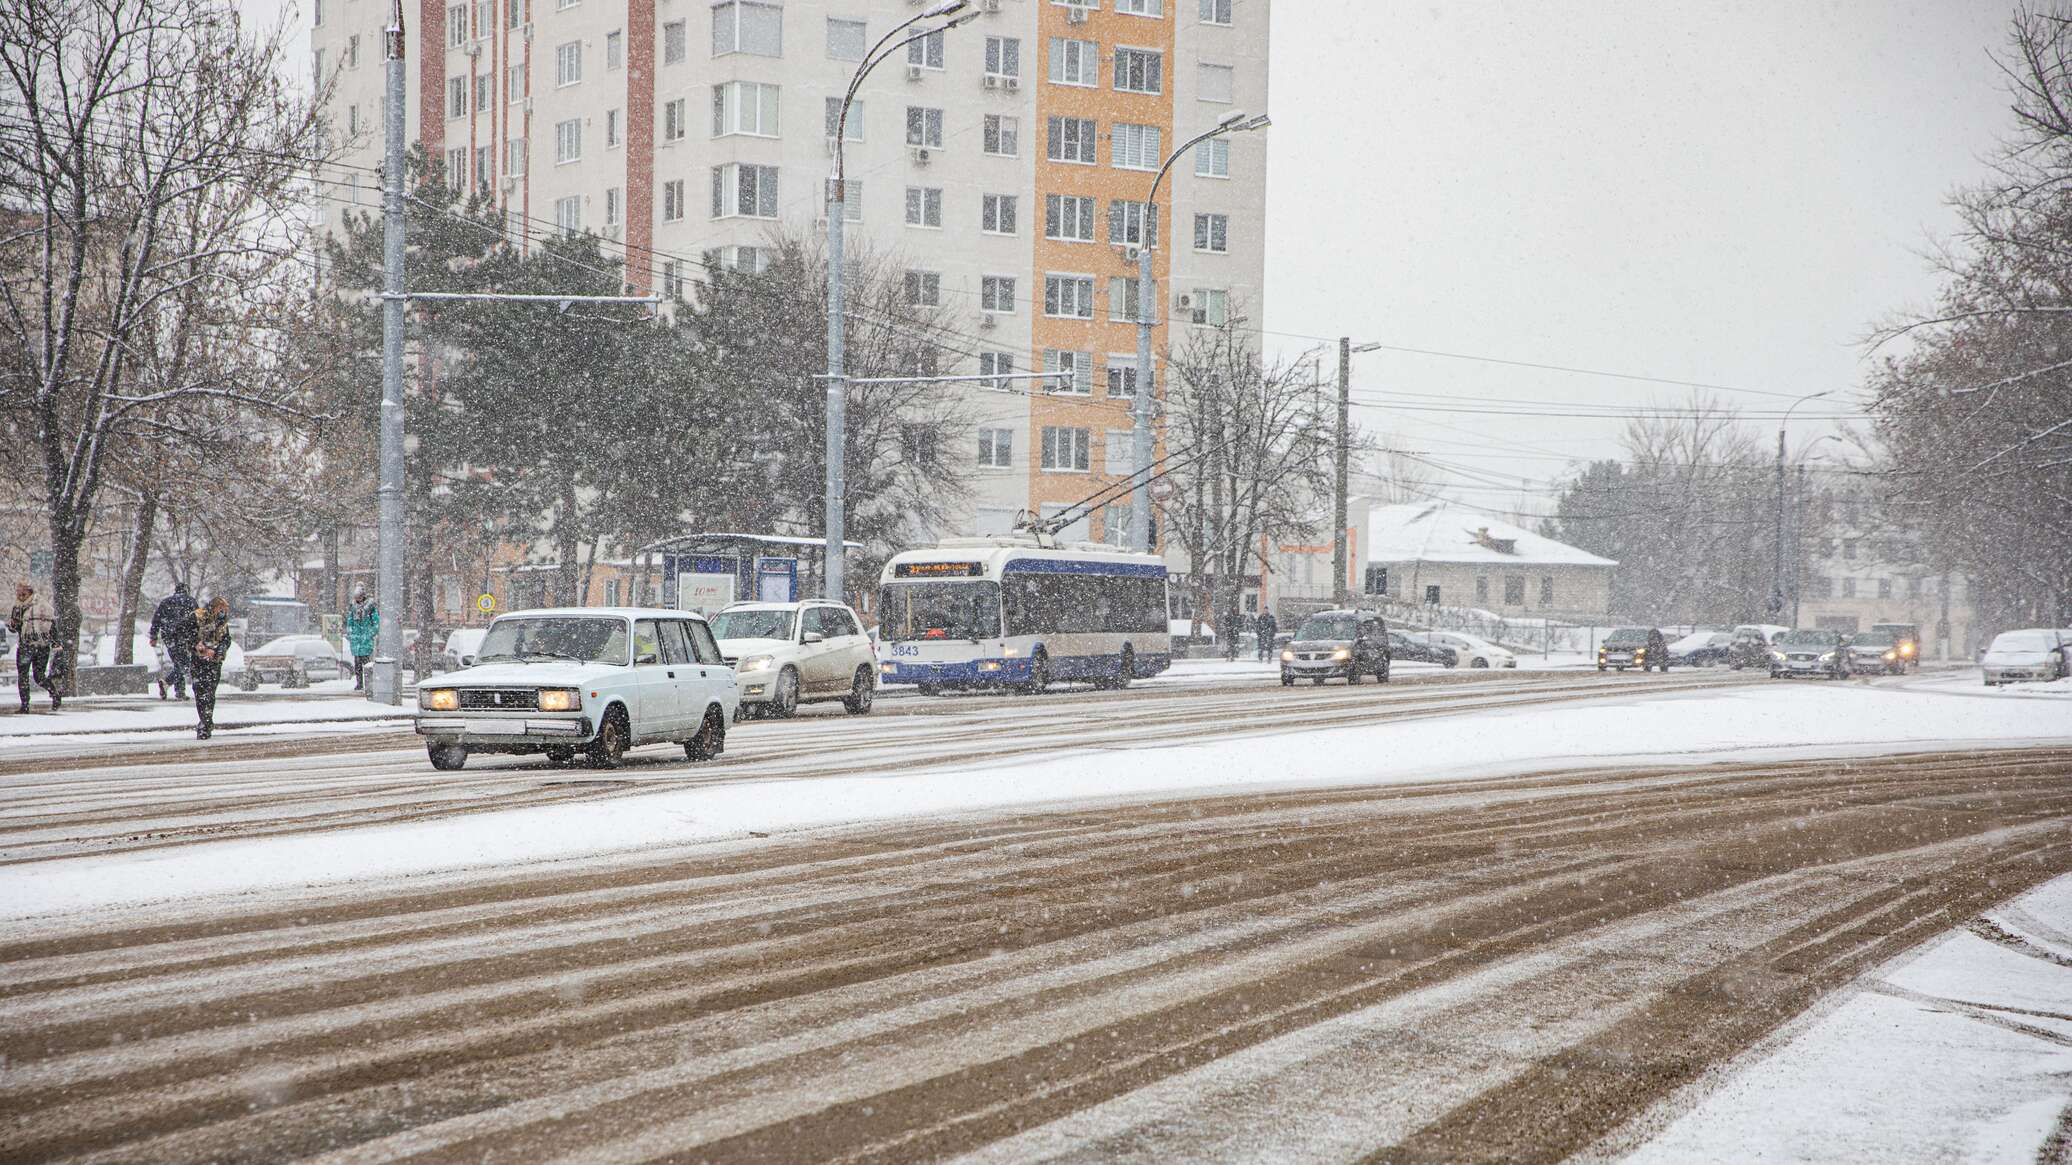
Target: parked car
(294,661)
(461,645)
(1906,638)
(599,680)
(1751,645)
(2035,653)
(1349,643)
(1420,650)
(1471,650)
(1809,653)
(1641,647)
(1876,651)
(787,654)
(1701,648)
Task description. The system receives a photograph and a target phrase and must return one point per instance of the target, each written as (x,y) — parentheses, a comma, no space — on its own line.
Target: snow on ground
(113,720)
(1958,1051)
(1780,721)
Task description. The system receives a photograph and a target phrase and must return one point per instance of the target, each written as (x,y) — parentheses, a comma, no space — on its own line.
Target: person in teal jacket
(361,624)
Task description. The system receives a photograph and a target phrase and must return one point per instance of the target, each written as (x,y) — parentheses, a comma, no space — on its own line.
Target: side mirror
(813,637)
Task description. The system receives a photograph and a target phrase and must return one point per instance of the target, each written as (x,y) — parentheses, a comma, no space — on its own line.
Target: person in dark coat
(211,645)
(1269,627)
(35,626)
(172,623)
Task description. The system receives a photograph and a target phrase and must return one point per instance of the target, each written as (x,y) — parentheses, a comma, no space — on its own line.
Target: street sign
(485,603)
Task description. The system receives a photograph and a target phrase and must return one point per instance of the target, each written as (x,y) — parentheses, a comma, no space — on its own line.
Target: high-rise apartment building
(1005,164)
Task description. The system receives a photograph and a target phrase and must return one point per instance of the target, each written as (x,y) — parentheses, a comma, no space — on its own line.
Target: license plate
(498,728)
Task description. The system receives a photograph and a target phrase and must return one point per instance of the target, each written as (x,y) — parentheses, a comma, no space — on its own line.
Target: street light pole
(1146,408)
(837,356)
(386,685)
(1341,589)
(1777,558)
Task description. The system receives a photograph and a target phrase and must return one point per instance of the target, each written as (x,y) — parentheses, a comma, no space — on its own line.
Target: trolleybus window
(939,610)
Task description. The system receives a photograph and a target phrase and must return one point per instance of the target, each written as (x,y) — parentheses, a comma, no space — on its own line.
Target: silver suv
(787,654)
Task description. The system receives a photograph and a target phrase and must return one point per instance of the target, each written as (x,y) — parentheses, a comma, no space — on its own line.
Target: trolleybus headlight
(439,700)
(989,665)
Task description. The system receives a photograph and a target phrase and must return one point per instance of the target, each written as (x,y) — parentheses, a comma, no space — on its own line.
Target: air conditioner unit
(990,81)
(510,184)
(919,154)
(913,72)
(1075,15)
(1013,83)
(988,320)
(528,105)
(1129,254)
(528,32)
(474,48)
(1183,303)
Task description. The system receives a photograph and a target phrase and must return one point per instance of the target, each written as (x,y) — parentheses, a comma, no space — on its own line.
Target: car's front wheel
(447,757)
(784,699)
(862,690)
(1478,661)
(711,739)
(608,749)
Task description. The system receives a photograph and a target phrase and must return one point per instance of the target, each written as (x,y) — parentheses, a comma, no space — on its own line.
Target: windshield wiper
(498,655)
(554,655)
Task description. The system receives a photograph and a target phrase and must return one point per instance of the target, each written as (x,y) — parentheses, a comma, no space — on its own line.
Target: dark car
(1704,649)
(1333,644)
(1641,647)
(1809,653)
(1417,649)
(1877,651)
(1906,638)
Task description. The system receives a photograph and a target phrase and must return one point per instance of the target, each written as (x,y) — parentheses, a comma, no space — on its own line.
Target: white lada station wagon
(598,680)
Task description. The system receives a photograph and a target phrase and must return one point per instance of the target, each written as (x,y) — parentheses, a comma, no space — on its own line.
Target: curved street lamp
(1777,556)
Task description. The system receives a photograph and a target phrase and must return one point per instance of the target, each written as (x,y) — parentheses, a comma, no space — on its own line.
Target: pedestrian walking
(35,626)
(173,625)
(362,622)
(211,645)
(1269,628)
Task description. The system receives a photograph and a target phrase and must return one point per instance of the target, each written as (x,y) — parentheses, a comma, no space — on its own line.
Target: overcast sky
(1723,192)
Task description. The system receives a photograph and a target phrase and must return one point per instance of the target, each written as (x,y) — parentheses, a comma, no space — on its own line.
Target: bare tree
(150,171)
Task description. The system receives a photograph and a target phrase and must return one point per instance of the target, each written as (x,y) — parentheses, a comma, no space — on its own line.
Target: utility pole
(386,687)
(1341,594)
(1777,555)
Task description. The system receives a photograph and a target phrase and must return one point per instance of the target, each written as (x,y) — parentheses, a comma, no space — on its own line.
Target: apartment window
(1072,139)
(1003,56)
(1122,375)
(996,293)
(485,165)
(995,446)
(568,63)
(563,5)
(852,130)
(672,278)
(352,120)
(752,260)
(997,364)
(615,200)
(1079,364)
(672,202)
(1546,590)
(485,92)
(456,96)
(1074,62)
(675,118)
(1823,587)
(1377,580)
(1432,596)
(1212,233)
(568,214)
(611,129)
(676,42)
(996,214)
(456,26)
(1215,11)
(1068,216)
(1003,135)
(1212,159)
(1135,147)
(1069,296)
(316,15)
(744,191)
(316,64)
(1884,588)
(514,83)
(1211,306)
(457,168)
(1215,83)
(1126,224)
(514,157)
(1141,7)
(1067,449)
(1481,588)
(1849,548)
(568,141)
(1848,588)
(514,13)
(615,45)
(746,26)
(1122,299)
(485,17)
(744,107)
(352,51)
(846,39)
(924,289)
(926,52)
(1139,71)
(924,206)
(924,127)
(1514,590)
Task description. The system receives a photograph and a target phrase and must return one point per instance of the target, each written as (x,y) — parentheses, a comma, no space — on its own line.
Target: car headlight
(1829,657)
(1287,656)
(1890,656)
(755,662)
(1778,656)
(1906,649)
(1342,653)
(438,699)
(560,699)
(1639,651)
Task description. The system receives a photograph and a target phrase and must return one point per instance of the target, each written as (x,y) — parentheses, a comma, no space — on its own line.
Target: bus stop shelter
(704,572)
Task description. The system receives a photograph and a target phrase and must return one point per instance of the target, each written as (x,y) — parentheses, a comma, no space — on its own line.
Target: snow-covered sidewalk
(1958,1051)
(114,720)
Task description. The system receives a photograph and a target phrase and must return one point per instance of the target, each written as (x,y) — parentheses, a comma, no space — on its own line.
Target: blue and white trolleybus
(1011,613)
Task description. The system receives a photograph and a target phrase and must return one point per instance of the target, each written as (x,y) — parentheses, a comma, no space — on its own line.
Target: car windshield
(753,624)
(2023,641)
(1328,627)
(1808,639)
(583,638)
(939,610)
(1872,639)
(1627,636)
